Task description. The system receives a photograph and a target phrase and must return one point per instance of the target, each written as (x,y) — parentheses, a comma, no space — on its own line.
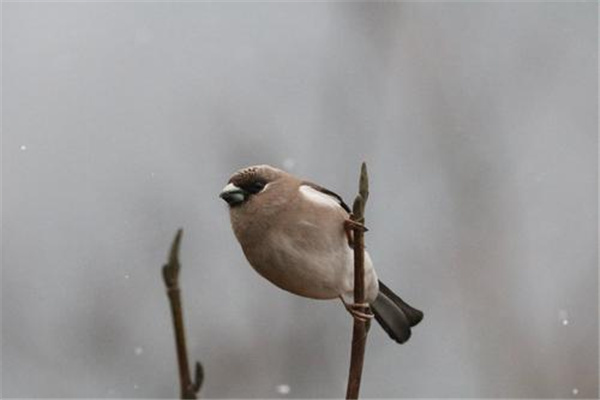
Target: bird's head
(248,184)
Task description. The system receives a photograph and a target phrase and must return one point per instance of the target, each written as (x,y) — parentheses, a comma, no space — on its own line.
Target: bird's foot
(349,226)
(359,311)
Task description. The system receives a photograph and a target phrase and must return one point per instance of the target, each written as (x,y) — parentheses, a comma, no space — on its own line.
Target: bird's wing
(338,199)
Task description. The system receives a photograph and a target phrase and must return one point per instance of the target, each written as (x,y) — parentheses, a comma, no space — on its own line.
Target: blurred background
(123,121)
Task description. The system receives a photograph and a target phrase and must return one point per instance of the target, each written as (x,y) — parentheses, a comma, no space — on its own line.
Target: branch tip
(363,184)
(198,376)
(174,253)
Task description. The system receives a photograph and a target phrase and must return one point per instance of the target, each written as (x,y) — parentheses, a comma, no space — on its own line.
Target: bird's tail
(394,315)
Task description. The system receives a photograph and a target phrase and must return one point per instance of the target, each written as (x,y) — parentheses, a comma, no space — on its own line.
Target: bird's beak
(233,195)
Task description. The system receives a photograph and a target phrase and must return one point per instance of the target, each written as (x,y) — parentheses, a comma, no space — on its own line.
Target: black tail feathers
(394,315)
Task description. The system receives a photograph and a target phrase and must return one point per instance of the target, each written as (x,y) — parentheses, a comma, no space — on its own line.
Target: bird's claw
(349,226)
(359,311)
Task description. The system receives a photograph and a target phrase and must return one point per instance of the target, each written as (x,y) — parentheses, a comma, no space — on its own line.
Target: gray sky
(122,122)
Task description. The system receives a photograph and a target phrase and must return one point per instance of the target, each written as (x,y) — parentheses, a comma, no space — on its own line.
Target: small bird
(295,234)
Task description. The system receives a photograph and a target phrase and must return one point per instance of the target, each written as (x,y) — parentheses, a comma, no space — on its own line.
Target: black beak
(233,195)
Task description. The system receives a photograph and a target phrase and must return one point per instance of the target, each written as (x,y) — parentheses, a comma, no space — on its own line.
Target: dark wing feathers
(328,192)
(394,315)
(391,318)
(413,315)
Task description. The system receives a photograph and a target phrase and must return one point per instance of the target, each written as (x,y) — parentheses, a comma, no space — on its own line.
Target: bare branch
(360,327)
(170,272)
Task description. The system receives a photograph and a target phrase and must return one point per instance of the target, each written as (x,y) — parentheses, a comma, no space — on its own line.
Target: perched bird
(295,234)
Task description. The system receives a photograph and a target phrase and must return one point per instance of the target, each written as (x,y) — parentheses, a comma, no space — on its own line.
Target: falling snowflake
(139,351)
(23,147)
(563,315)
(283,389)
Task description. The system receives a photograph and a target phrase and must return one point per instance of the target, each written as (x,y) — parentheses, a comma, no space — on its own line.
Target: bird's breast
(299,262)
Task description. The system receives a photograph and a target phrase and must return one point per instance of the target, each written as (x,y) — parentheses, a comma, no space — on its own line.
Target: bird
(294,233)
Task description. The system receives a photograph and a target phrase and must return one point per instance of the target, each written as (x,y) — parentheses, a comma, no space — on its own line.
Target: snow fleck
(136,386)
(23,147)
(289,163)
(138,351)
(151,175)
(126,276)
(283,389)
(575,391)
(563,315)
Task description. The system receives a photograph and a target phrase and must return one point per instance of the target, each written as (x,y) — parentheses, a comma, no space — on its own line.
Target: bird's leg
(360,311)
(349,226)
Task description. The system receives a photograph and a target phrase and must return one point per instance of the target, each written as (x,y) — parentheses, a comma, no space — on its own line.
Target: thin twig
(360,327)
(189,389)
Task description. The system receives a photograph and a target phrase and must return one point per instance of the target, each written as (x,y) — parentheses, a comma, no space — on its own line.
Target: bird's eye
(255,187)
